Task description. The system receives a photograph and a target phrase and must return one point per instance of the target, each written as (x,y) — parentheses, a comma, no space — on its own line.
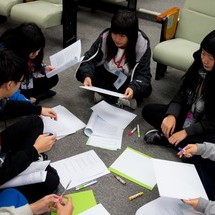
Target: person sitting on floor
(190,116)
(24,141)
(28,42)
(119,60)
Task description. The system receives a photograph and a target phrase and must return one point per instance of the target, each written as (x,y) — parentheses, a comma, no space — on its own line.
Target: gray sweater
(207,151)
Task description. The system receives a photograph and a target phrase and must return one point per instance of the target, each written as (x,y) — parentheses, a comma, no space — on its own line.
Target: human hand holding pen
(188,151)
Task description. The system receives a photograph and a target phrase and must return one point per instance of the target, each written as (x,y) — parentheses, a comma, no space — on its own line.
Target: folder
(136,167)
(82,201)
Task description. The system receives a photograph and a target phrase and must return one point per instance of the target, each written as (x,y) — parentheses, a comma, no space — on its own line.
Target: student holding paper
(119,60)
(28,42)
(12,202)
(204,161)
(23,141)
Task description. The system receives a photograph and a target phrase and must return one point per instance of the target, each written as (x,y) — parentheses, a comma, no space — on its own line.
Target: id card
(120,80)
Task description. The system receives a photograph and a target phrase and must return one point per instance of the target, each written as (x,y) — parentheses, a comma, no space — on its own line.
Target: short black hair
(12,67)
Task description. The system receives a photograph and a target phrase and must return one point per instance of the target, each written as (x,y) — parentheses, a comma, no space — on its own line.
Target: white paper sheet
(65,58)
(113,115)
(104,91)
(80,169)
(96,210)
(136,166)
(35,173)
(67,123)
(166,206)
(178,180)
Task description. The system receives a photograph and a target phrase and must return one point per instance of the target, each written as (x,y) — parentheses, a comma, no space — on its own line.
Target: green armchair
(182,33)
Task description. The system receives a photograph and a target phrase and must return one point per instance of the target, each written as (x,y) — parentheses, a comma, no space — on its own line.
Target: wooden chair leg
(160,71)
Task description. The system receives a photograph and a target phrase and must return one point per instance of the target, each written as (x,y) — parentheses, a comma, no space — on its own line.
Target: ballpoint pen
(86,184)
(138,130)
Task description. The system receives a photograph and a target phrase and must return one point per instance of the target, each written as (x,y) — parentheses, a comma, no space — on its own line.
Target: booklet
(65,58)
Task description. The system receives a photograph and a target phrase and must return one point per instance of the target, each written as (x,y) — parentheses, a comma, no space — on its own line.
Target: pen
(132,131)
(135,196)
(138,130)
(86,185)
(120,179)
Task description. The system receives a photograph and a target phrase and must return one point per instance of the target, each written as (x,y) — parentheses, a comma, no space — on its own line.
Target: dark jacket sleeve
(87,67)
(19,108)
(16,163)
(142,74)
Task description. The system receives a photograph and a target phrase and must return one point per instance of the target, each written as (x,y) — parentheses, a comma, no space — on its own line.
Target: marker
(135,196)
(86,185)
(138,130)
(132,131)
(181,149)
(120,179)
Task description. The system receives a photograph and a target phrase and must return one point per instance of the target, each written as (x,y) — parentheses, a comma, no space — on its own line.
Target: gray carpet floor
(108,191)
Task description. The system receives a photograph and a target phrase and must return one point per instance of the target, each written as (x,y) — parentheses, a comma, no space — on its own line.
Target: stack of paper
(65,58)
(35,173)
(106,125)
(136,167)
(66,123)
(80,169)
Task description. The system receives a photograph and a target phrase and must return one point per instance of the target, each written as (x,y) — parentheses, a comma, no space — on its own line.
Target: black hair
(12,67)
(124,22)
(24,39)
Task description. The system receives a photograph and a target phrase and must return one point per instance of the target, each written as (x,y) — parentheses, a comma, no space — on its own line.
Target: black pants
(154,115)
(105,80)
(41,85)
(22,135)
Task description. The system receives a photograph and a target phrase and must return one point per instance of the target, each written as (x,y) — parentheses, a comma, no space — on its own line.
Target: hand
(129,93)
(188,150)
(192,202)
(43,205)
(64,207)
(44,142)
(168,125)
(177,137)
(49,68)
(87,82)
(49,112)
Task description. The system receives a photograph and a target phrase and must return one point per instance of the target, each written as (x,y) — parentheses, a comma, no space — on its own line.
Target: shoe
(97,97)
(48,94)
(129,103)
(155,137)
(42,157)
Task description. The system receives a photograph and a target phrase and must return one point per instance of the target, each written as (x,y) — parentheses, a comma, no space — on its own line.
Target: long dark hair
(23,40)
(124,22)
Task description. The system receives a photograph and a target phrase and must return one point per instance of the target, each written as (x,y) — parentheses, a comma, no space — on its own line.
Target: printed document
(136,167)
(178,180)
(104,91)
(35,173)
(166,206)
(65,58)
(80,169)
(66,123)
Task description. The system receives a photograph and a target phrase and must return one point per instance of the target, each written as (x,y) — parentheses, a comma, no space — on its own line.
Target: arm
(87,67)
(24,210)
(141,75)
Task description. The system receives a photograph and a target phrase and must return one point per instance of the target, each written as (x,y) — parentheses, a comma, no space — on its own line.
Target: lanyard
(120,61)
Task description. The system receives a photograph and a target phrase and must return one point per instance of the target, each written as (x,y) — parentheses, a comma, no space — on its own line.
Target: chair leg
(3,19)
(160,71)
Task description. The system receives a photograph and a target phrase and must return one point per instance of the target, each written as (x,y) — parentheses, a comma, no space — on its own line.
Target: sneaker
(155,137)
(97,97)
(129,103)
(42,157)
